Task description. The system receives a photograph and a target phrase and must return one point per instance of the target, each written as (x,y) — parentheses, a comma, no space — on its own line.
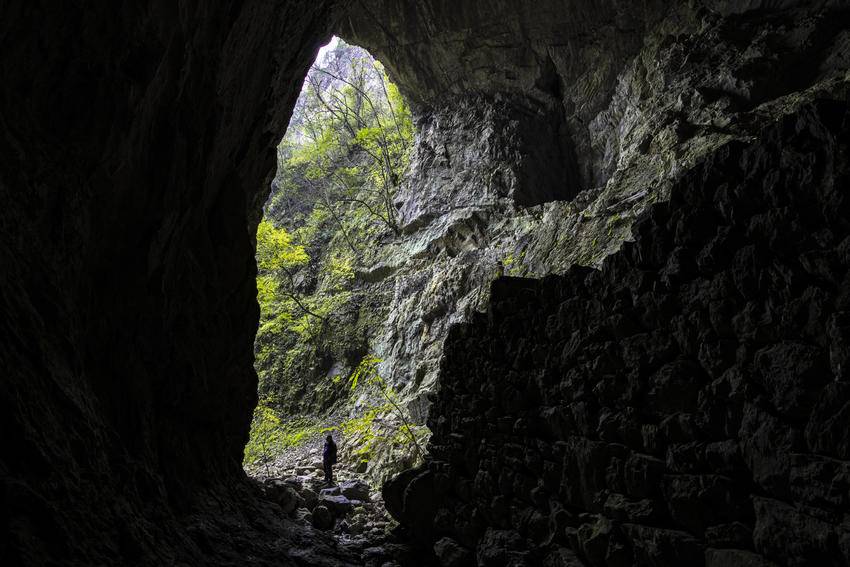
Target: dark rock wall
(685,405)
(477,152)
(697,79)
(137,144)
(439,48)
(545,57)
(564,62)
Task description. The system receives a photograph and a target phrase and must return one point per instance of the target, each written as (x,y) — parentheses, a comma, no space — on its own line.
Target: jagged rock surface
(695,80)
(137,146)
(137,141)
(681,406)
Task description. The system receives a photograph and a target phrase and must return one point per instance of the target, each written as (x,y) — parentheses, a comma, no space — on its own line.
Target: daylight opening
(330,220)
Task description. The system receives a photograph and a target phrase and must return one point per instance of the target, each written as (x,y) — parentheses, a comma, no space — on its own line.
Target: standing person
(329,459)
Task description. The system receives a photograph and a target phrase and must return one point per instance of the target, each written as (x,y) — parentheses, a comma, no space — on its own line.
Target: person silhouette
(329,459)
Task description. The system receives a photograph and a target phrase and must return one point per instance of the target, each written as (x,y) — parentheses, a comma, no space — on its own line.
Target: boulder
(309,497)
(354,490)
(322,518)
(411,499)
(339,505)
(284,495)
(393,492)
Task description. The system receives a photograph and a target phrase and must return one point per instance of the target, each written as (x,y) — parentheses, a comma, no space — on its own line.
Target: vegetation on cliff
(331,208)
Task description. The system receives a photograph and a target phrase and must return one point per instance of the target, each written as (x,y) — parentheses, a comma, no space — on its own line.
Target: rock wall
(685,404)
(137,146)
(696,79)
(614,75)
(137,143)
(470,166)
(566,57)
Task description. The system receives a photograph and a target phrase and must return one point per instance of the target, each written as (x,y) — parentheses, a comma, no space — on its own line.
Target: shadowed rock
(687,400)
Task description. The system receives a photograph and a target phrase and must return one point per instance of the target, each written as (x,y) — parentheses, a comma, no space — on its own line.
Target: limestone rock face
(545,52)
(137,142)
(596,415)
(677,406)
(571,57)
(511,178)
(479,153)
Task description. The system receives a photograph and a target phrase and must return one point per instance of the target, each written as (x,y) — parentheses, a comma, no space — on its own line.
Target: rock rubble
(350,511)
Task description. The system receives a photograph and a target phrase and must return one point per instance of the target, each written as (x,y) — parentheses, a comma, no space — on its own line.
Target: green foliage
(340,164)
(276,251)
(368,431)
(265,441)
(514,264)
(339,271)
(410,435)
(361,432)
(351,139)
(270,436)
(277,257)
(366,373)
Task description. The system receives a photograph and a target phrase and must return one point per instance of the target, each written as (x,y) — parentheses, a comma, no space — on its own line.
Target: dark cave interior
(685,404)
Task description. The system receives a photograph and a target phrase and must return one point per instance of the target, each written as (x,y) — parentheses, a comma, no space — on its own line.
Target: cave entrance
(329,220)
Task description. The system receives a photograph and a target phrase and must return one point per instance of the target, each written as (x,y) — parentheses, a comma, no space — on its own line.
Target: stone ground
(350,510)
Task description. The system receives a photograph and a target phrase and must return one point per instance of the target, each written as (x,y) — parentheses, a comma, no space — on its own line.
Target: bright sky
(320,58)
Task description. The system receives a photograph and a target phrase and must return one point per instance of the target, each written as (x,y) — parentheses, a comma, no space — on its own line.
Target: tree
(351,139)
(340,165)
(367,373)
(277,259)
(264,443)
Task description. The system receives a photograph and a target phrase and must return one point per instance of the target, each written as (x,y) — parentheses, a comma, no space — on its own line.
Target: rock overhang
(112,329)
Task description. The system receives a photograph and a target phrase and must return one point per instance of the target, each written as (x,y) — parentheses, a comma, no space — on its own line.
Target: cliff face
(136,144)
(137,147)
(538,147)
(547,53)
(663,434)
(683,404)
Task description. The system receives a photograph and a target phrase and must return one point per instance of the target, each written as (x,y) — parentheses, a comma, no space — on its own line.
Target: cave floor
(356,531)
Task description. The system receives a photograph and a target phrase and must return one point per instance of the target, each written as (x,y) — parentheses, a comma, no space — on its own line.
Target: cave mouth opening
(330,218)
